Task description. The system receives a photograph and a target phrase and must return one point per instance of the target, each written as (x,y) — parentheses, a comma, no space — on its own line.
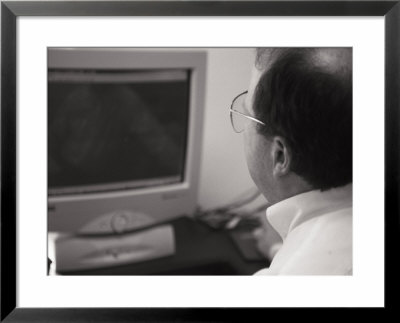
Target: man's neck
(291,186)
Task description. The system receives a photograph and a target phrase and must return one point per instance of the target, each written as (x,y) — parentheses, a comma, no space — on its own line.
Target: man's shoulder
(320,246)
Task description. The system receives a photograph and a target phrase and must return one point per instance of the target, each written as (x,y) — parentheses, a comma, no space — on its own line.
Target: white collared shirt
(316,229)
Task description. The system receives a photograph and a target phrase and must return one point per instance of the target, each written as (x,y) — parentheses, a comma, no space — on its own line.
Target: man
(296,119)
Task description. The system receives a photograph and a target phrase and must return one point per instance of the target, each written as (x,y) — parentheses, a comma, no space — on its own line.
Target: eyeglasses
(239,118)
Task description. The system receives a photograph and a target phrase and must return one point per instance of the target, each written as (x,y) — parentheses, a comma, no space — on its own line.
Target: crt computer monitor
(124,136)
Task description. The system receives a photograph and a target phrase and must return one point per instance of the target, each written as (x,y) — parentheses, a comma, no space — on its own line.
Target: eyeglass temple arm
(248,117)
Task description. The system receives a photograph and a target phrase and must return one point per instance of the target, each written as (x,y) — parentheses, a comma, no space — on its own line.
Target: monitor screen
(116,129)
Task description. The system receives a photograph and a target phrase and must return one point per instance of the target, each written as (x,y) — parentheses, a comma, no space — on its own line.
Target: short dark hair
(305,96)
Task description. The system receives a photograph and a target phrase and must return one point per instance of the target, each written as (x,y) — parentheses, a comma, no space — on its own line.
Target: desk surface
(200,250)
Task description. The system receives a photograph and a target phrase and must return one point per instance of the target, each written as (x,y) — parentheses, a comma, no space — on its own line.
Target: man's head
(304,98)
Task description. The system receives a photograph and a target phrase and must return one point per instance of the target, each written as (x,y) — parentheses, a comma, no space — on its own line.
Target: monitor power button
(119,222)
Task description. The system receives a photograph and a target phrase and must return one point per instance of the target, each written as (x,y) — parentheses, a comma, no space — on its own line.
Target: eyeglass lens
(239,122)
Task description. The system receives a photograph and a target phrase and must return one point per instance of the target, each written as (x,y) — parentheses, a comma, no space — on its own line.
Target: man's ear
(281,156)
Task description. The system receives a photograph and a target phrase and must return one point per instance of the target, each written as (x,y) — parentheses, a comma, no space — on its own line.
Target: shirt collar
(284,216)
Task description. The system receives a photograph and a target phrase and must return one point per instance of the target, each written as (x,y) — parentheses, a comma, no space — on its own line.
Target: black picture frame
(11,10)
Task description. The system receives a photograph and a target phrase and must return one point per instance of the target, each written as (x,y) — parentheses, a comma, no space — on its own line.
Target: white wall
(223,173)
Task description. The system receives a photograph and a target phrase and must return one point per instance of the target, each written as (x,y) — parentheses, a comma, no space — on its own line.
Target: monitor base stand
(75,252)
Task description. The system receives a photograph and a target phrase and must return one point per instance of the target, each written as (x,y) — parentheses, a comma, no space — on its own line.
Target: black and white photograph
(125,134)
